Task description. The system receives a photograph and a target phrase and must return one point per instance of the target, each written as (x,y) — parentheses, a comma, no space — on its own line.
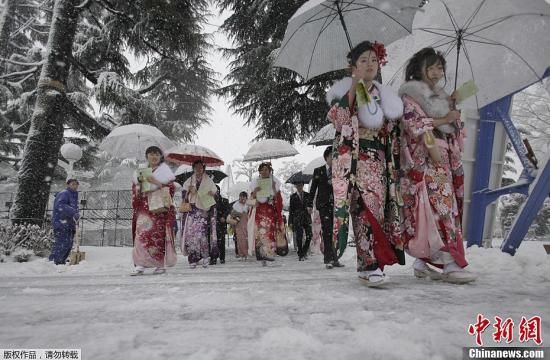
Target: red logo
(528,329)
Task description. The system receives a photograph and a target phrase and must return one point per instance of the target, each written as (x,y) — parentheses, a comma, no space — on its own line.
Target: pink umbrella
(188,153)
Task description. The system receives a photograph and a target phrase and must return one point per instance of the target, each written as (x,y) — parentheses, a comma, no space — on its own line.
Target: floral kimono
(240,212)
(198,236)
(433,193)
(153,233)
(266,229)
(316,246)
(365,175)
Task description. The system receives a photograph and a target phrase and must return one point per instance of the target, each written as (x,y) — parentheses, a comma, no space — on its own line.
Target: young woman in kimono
(198,235)
(433,186)
(266,228)
(153,233)
(238,218)
(365,164)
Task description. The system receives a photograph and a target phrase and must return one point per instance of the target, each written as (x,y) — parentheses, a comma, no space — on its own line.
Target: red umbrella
(188,153)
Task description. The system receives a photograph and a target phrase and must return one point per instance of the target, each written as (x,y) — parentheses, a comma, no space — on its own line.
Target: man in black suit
(222,209)
(322,185)
(300,219)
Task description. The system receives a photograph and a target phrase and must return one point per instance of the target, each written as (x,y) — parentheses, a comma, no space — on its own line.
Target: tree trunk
(46,134)
(6,27)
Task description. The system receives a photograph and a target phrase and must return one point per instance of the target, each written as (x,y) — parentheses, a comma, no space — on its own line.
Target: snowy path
(293,310)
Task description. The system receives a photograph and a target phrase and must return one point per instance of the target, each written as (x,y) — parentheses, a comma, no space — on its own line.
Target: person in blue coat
(65,215)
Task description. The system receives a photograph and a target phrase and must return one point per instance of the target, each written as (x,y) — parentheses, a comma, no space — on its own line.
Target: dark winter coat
(298,213)
(65,209)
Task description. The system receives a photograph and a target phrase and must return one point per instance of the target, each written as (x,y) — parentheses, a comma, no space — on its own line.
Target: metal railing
(105,216)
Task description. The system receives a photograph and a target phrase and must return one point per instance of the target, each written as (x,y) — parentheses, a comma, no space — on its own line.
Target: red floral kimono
(266,226)
(364,178)
(433,193)
(153,233)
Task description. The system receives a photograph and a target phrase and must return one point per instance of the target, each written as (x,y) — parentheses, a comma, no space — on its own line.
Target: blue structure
(482,196)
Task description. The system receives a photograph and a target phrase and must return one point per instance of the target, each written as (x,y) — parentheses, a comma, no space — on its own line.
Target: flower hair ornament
(381,53)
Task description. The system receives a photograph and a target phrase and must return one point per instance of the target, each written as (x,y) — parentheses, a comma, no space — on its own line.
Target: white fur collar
(433,102)
(391,104)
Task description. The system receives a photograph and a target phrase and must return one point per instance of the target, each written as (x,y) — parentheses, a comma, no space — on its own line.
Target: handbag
(185,207)
(251,202)
(159,200)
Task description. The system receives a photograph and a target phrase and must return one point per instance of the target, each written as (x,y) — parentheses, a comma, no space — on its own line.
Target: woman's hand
(192,190)
(257,189)
(211,193)
(153,180)
(452,117)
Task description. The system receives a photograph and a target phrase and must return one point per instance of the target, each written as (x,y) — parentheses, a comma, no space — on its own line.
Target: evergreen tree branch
(83,70)
(152,85)
(19,73)
(40,63)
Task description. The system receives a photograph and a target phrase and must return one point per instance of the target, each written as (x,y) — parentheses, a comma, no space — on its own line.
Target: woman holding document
(266,228)
(433,187)
(365,164)
(198,217)
(152,225)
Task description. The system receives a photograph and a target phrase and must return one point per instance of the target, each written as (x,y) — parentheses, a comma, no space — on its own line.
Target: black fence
(105,216)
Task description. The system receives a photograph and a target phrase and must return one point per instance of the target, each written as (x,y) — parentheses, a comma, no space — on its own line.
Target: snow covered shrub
(22,255)
(25,237)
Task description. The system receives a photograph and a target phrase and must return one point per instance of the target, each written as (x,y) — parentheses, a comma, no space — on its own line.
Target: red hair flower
(381,54)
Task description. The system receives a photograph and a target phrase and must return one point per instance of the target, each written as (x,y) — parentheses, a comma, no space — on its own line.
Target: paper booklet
(145,186)
(266,188)
(465,91)
(205,198)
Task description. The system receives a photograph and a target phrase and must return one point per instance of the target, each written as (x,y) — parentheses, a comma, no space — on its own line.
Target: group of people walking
(394,175)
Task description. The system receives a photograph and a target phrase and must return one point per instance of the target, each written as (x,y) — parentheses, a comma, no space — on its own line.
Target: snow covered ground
(291,310)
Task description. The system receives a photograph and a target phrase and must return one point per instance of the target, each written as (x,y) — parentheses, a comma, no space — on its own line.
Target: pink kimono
(433,193)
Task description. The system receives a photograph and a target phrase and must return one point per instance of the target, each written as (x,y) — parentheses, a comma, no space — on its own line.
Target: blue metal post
(482,172)
(482,195)
(540,190)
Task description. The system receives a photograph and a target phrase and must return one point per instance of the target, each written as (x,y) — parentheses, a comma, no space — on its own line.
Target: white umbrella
(503,45)
(270,149)
(321,33)
(238,187)
(315,163)
(131,141)
(188,153)
(325,136)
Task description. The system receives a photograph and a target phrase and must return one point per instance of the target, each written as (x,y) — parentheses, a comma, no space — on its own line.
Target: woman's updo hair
(198,162)
(376,47)
(154,150)
(267,165)
(416,68)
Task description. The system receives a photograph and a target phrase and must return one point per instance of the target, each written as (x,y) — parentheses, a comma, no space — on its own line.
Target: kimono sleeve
(340,114)
(415,122)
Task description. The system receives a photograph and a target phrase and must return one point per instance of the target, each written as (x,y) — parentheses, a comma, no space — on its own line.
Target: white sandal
(374,278)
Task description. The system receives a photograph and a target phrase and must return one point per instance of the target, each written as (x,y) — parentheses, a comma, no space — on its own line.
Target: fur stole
(435,103)
(391,106)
